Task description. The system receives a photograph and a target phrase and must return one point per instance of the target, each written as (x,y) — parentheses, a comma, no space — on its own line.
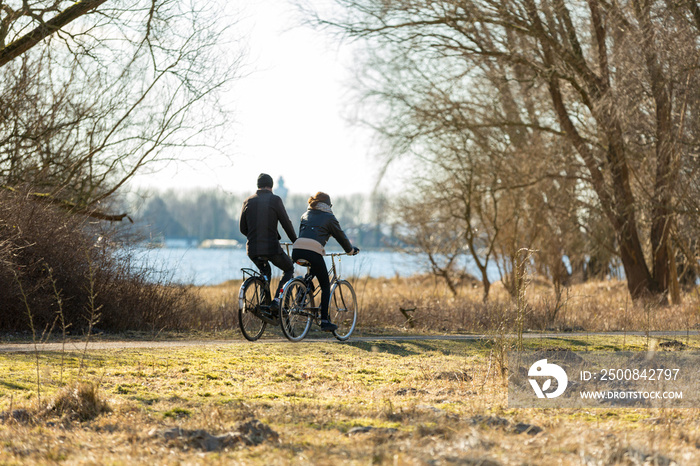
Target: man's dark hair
(265,181)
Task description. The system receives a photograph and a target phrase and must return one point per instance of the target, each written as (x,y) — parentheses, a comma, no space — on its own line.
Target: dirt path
(107,345)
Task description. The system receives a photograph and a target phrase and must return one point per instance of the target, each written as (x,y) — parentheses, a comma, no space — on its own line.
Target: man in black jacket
(259,217)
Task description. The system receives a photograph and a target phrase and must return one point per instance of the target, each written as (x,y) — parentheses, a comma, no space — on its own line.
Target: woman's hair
(318,198)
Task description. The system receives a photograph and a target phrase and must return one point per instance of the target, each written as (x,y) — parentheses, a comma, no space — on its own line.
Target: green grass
(313,394)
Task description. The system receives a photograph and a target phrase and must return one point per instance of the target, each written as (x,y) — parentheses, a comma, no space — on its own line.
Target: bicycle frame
(267,294)
(333,278)
(250,272)
(298,308)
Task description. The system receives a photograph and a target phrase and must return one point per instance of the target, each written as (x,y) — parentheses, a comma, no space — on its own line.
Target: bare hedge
(55,264)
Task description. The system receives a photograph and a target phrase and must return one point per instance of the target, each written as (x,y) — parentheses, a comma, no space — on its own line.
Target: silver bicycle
(298,309)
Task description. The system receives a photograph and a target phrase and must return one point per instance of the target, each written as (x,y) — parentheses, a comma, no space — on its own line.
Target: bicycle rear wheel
(250,297)
(343,309)
(295,318)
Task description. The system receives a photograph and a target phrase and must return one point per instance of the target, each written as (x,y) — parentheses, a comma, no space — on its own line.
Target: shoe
(327,326)
(275,304)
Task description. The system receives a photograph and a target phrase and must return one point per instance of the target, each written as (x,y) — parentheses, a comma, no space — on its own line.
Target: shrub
(45,250)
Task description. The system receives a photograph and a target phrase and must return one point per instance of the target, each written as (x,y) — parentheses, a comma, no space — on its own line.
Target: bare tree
(616,93)
(426,229)
(482,160)
(95,92)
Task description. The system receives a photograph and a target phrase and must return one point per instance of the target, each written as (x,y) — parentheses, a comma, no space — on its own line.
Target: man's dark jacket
(258,223)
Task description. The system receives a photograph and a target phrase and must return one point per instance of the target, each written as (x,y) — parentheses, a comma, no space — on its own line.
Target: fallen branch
(409,318)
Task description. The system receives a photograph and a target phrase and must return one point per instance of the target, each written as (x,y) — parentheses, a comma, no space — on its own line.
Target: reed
(424,304)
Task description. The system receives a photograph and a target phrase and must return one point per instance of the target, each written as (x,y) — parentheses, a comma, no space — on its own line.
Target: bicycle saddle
(303,262)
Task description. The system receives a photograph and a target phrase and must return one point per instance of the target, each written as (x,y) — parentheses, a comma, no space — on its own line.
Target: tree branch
(41,32)
(72,207)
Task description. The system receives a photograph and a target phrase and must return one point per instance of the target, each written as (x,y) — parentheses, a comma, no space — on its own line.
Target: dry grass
(405,403)
(593,307)
(80,401)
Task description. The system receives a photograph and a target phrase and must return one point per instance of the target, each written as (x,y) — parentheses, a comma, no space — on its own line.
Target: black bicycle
(298,310)
(254,311)
(254,303)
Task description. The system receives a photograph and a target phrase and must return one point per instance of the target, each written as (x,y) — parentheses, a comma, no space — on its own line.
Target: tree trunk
(486,284)
(674,287)
(640,282)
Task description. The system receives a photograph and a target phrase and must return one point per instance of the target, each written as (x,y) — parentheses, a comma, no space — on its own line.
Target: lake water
(213,266)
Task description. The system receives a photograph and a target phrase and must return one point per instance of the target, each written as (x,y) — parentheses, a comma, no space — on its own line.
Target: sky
(289,115)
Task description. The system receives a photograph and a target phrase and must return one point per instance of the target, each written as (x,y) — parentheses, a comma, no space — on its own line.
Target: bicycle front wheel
(295,318)
(250,297)
(343,309)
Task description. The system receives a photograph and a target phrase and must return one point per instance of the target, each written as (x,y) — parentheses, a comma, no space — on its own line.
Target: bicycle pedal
(269,317)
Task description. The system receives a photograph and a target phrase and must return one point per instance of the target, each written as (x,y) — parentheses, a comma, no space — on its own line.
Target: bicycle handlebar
(327,255)
(332,254)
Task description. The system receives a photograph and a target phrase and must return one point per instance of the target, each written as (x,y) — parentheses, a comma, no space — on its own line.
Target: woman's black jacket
(319,226)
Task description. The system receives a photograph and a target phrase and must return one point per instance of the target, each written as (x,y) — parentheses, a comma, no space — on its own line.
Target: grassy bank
(600,306)
(420,402)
